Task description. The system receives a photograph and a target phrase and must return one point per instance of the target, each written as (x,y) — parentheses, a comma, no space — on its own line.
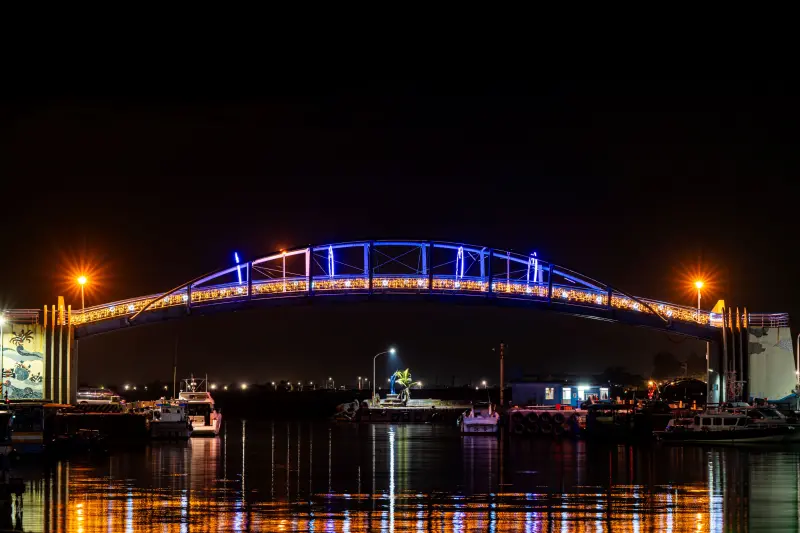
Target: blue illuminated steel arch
(399,268)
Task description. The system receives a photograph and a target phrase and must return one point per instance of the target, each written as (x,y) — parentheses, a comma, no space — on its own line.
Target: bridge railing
(768,320)
(501,288)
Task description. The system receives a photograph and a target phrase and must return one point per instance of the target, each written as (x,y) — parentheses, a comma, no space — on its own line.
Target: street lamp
(483,383)
(390,351)
(699,285)
(244,386)
(82,281)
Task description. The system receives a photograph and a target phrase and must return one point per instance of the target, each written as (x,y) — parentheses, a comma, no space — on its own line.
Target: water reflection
(419,478)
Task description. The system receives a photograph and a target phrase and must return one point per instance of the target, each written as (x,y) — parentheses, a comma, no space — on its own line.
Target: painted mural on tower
(23,361)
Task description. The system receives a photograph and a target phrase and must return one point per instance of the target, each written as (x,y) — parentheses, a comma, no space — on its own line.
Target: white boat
(720,427)
(170,421)
(88,396)
(482,419)
(206,420)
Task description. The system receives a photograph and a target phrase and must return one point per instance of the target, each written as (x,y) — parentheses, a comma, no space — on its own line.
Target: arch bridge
(405,269)
(753,356)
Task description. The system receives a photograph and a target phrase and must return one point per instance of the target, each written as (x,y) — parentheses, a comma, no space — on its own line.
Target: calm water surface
(316,477)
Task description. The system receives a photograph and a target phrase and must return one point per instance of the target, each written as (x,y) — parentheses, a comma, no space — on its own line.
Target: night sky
(638,184)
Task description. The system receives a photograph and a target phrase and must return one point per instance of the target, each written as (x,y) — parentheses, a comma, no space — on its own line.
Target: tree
(404,378)
(617,375)
(696,366)
(666,365)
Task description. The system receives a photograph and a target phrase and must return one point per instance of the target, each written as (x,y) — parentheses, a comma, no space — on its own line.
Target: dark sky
(633,183)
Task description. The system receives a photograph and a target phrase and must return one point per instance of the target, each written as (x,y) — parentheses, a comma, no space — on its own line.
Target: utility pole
(175,368)
(502,374)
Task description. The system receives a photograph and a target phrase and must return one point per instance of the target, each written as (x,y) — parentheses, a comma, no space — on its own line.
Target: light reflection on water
(274,476)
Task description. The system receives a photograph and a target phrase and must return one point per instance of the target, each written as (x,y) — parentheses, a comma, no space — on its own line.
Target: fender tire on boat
(517,416)
(573,418)
(544,417)
(532,417)
(558,429)
(545,427)
(532,430)
(558,418)
(518,429)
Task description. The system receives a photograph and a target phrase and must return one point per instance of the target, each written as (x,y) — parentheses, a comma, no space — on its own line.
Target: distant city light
(244,386)
(127,387)
(165,387)
(213,386)
(392,351)
(225,387)
(82,280)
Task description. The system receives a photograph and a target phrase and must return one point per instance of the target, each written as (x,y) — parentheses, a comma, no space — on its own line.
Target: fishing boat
(170,421)
(719,427)
(481,419)
(206,420)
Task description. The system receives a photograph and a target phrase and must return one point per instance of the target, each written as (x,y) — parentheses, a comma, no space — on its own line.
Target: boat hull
(205,431)
(743,436)
(478,428)
(170,430)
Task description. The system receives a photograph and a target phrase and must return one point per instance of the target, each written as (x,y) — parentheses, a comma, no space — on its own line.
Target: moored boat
(170,421)
(206,420)
(482,419)
(721,427)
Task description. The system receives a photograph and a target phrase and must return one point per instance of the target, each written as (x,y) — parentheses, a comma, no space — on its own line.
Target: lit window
(604,393)
(549,393)
(566,394)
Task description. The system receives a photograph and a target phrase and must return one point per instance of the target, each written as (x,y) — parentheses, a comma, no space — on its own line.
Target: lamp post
(390,351)
(82,281)
(699,285)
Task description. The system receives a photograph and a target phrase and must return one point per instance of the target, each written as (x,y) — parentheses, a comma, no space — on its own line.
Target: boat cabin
(719,420)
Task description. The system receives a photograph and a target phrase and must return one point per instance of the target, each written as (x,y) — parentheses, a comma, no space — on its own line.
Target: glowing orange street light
(82,281)
(699,285)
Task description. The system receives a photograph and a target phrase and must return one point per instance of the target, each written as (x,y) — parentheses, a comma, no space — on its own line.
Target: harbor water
(314,476)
